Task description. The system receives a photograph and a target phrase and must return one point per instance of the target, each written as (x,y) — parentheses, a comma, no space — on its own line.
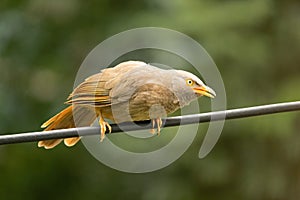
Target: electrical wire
(141,125)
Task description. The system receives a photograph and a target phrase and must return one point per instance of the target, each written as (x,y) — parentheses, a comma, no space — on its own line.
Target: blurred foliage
(256,46)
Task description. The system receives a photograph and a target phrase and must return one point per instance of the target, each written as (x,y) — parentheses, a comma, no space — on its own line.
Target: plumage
(130,91)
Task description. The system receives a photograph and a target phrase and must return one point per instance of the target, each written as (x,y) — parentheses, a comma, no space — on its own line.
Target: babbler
(130,91)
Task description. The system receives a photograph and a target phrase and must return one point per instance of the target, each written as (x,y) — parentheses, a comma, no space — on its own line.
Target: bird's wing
(96,89)
(90,92)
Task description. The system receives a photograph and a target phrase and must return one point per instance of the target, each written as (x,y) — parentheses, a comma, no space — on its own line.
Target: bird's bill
(205,91)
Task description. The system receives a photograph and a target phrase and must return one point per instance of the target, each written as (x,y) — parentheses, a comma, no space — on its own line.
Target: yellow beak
(205,91)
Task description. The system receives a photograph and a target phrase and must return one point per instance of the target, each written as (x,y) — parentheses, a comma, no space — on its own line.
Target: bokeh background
(255,44)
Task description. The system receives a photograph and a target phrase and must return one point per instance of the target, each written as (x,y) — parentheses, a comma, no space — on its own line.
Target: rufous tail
(85,116)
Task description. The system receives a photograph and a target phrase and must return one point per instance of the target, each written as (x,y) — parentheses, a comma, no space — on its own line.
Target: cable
(168,122)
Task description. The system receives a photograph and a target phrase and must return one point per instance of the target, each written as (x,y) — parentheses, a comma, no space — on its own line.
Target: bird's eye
(190,82)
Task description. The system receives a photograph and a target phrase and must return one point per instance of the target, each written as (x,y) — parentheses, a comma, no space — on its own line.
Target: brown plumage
(130,91)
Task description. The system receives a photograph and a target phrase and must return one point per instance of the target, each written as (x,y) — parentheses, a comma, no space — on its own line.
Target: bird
(129,91)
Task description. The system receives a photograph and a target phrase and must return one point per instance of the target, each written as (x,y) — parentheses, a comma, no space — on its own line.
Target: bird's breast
(149,101)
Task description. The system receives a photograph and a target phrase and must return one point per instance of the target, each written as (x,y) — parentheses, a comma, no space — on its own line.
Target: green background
(256,46)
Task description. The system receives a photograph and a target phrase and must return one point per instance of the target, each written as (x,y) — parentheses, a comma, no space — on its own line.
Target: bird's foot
(103,124)
(158,123)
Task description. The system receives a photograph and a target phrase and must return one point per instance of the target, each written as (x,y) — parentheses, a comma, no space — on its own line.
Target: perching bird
(130,91)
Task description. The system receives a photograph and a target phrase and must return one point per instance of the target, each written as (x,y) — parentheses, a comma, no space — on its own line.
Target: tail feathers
(49,144)
(69,142)
(64,119)
(85,117)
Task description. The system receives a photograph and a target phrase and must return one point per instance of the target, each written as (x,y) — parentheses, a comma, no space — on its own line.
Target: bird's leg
(103,124)
(152,130)
(158,123)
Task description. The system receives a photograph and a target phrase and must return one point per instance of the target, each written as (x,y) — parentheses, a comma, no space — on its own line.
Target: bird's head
(191,86)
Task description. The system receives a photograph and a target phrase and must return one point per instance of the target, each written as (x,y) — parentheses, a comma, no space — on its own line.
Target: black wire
(168,122)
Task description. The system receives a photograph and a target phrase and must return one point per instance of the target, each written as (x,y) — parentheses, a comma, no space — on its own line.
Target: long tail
(84,117)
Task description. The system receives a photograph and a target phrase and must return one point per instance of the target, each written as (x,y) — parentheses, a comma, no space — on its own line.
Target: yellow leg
(103,124)
(158,123)
(152,130)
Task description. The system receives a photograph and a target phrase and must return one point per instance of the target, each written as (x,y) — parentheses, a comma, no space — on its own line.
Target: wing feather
(96,89)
